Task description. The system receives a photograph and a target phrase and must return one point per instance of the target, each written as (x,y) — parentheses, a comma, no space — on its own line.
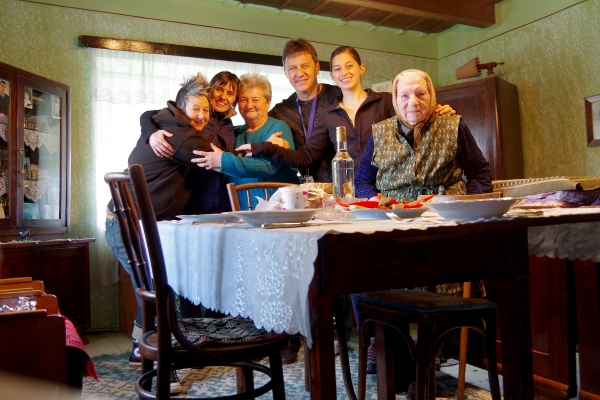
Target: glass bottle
(342,167)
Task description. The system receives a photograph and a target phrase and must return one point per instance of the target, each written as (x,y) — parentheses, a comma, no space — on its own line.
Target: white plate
(224,217)
(257,218)
(468,210)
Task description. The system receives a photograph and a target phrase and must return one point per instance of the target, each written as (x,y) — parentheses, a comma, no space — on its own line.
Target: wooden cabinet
(63,265)
(34,158)
(490,107)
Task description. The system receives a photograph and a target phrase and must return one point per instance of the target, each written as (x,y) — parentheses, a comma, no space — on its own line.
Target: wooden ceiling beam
(454,11)
(354,14)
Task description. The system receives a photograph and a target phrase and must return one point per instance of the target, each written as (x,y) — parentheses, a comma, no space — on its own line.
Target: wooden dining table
(260,273)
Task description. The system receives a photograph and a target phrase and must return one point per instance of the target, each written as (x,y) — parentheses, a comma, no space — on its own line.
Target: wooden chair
(234,190)
(185,343)
(435,315)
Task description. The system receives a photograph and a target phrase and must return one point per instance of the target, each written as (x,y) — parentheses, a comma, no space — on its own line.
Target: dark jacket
(287,111)
(376,108)
(178,186)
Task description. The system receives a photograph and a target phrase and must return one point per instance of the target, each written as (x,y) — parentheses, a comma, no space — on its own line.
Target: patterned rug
(117,381)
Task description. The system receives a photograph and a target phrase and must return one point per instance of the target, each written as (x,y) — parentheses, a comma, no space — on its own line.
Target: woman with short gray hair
(254,101)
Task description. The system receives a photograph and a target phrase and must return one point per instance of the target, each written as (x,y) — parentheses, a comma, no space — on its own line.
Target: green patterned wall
(555,63)
(43,39)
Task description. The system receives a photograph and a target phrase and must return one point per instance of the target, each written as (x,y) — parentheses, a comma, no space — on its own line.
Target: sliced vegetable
(341,203)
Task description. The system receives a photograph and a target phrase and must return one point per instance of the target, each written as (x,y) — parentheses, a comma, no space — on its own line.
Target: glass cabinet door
(42,153)
(7,90)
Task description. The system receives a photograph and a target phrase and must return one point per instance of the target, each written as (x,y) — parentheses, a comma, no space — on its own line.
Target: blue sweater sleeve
(256,167)
(366,175)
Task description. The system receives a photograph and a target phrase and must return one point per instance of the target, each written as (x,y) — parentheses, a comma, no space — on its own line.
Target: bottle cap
(340,133)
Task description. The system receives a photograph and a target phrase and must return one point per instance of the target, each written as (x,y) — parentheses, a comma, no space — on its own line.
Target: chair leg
(462,363)
(277,384)
(423,349)
(343,348)
(147,366)
(386,384)
(306,368)
(163,381)
(244,379)
(363,348)
(431,379)
(490,349)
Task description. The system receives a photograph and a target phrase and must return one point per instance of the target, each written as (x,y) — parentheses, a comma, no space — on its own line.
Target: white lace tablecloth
(264,274)
(213,264)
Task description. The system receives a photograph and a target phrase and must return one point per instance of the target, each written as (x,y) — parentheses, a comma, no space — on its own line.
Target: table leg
(515,328)
(322,358)
(587,282)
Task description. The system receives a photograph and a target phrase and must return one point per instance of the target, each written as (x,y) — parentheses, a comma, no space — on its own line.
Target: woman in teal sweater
(254,100)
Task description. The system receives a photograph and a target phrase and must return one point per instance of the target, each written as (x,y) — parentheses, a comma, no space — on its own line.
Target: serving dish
(409,212)
(258,218)
(223,217)
(468,210)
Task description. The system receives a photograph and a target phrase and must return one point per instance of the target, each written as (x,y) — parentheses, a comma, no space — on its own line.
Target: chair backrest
(234,190)
(143,247)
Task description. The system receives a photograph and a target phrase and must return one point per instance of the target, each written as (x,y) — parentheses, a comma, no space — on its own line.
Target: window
(125,84)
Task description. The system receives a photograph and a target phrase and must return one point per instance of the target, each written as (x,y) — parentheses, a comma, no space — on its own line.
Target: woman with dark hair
(356,109)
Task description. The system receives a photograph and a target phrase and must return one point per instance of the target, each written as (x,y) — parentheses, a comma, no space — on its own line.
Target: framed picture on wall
(592,120)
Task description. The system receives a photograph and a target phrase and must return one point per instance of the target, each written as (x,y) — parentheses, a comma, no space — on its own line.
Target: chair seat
(422,301)
(215,332)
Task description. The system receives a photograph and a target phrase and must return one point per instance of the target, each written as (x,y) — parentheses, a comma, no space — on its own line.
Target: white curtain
(123,86)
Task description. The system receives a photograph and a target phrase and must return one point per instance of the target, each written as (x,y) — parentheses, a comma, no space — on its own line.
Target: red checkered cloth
(74,340)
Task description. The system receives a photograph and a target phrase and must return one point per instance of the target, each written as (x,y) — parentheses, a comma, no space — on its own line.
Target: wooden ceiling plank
(319,7)
(354,14)
(385,19)
(415,23)
(436,28)
(284,4)
(454,11)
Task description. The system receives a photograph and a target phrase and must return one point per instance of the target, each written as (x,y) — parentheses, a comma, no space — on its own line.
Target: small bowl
(468,210)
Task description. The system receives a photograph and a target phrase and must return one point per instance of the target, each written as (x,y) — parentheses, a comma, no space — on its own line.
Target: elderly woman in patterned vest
(419,152)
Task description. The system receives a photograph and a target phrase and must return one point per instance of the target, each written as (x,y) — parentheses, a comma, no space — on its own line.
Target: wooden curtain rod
(139,46)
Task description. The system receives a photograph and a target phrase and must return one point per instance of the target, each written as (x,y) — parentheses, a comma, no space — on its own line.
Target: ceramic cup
(293,198)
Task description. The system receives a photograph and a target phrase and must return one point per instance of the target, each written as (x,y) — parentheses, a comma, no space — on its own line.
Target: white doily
(3,132)
(34,190)
(3,186)
(35,139)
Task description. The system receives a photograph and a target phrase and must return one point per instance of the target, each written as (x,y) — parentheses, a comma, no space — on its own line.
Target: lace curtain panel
(123,86)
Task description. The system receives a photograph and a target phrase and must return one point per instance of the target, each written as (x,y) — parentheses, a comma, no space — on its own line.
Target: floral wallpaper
(554,62)
(44,40)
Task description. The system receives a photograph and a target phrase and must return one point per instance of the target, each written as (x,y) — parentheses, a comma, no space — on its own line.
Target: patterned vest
(428,168)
